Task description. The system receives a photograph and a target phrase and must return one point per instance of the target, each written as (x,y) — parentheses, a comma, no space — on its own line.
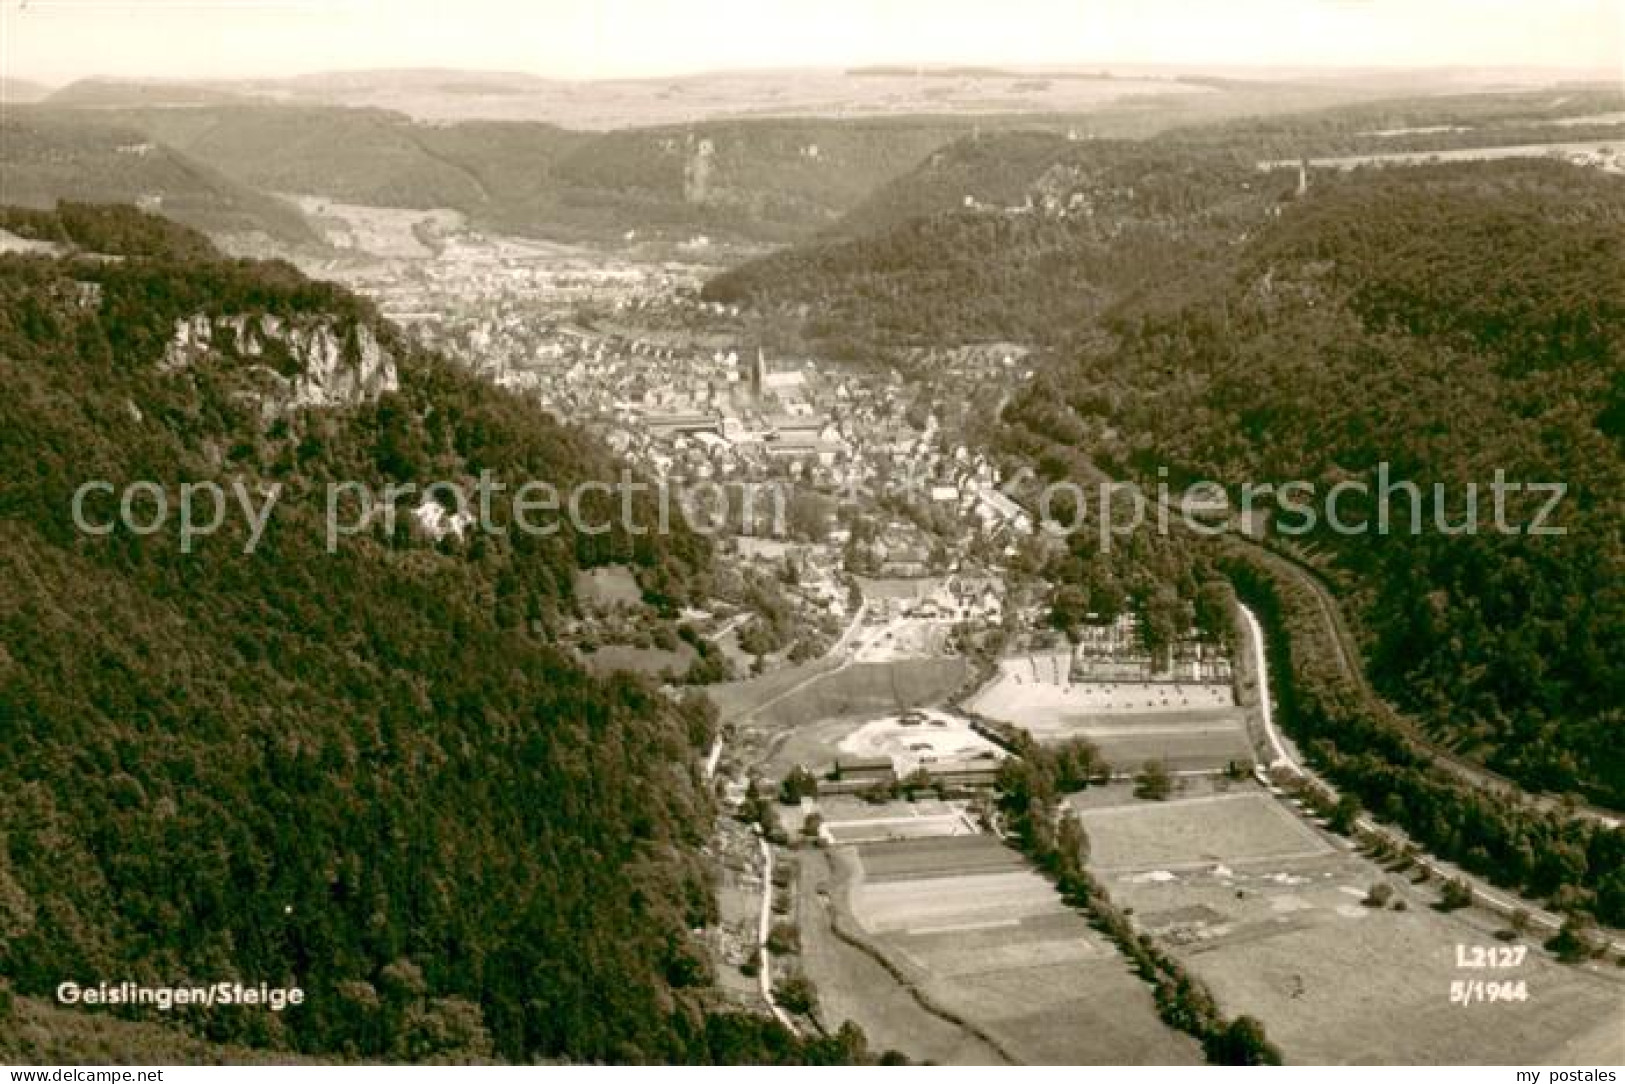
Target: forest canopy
(364,773)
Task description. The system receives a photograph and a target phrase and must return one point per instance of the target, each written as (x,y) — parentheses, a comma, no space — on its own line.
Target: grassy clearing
(641,660)
(611,585)
(1196,749)
(867,689)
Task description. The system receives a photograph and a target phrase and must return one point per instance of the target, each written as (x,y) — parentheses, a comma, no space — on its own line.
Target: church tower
(758,375)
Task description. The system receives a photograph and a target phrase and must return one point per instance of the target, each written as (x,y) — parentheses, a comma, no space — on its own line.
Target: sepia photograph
(553,535)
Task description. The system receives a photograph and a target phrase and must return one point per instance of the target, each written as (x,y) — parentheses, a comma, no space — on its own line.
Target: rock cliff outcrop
(316,362)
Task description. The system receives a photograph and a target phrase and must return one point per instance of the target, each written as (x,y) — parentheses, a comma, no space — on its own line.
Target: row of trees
(1030,788)
(1578,865)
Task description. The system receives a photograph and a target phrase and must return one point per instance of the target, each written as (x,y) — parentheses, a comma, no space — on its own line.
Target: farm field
(848,820)
(1268,912)
(988,941)
(853,985)
(1189,727)
(1198,831)
(915,828)
(1199,746)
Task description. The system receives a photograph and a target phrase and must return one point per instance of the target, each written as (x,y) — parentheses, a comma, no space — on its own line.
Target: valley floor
(975,939)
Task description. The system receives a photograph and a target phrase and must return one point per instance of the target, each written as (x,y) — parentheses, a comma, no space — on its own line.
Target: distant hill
(998,170)
(1000,167)
(50,156)
(757,179)
(772,179)
(1033,233)
(602,104)
(1017,235)
(22,91)
(354,155)
(762,178)
(102,92)
(1424,122)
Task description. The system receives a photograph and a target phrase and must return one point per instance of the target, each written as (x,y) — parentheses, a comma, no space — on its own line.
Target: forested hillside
(1025,236)
(1425,122)
(776,179)
(50,157)
(363,772)
(999,168)
(1450,322)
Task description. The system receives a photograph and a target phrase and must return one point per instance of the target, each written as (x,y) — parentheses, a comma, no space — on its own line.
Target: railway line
(1349,662)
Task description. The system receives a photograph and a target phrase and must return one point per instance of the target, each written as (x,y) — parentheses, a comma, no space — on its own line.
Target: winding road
(1266,705)
(1285,756)
(1349,662)
(764,925)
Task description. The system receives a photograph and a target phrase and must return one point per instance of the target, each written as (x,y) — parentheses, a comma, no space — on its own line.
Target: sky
(59,40)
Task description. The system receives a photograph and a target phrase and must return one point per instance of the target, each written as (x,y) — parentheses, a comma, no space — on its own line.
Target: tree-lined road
(1349,661)
(1284,756)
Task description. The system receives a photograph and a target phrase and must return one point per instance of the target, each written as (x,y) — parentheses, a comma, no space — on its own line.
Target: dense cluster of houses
(968,596)
(682,411)
(733,415)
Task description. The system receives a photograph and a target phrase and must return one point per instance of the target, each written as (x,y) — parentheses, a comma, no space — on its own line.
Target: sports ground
(1190,727)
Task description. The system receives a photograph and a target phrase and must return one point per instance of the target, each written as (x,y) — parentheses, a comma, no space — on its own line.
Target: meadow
(1271,913)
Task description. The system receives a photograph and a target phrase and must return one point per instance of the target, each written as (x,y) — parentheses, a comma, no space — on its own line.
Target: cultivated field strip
(982,934)
(965,899)
(967,854)
(902,828)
